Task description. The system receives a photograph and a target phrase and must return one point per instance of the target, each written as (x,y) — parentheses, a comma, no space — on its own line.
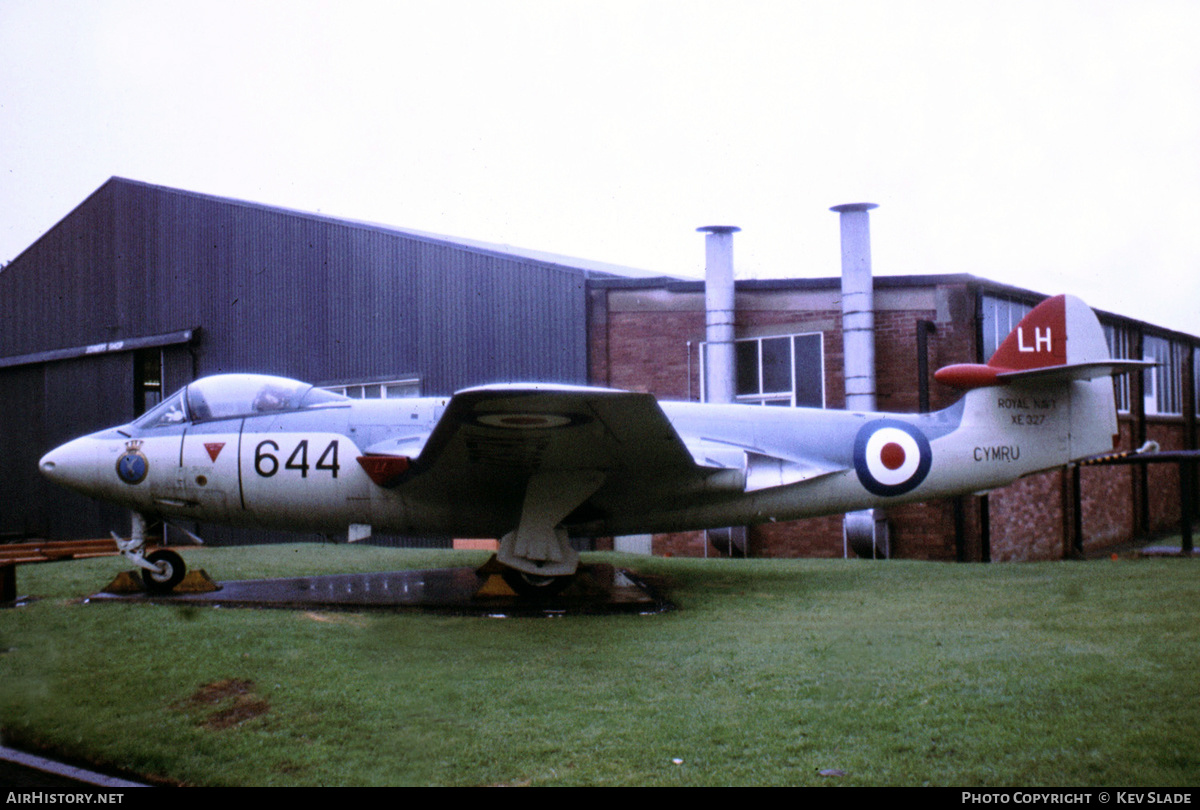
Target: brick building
(648,335)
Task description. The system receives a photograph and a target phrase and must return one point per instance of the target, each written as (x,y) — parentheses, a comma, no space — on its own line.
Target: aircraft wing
(508,430)
(492,441)
(617,449)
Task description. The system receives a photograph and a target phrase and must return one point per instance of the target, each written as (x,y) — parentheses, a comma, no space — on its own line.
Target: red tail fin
(1040,339)
(1060,336)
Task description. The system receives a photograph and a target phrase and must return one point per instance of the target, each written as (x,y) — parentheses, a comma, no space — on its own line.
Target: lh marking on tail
(1039,340)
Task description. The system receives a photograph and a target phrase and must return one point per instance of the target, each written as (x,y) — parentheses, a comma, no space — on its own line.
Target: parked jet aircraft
(534,464)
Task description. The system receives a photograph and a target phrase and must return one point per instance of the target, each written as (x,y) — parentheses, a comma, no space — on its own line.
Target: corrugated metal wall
(272,291)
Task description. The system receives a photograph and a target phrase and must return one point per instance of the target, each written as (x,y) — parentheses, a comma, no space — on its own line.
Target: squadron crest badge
(133,465)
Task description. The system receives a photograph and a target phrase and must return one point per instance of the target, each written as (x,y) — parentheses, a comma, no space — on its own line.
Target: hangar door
(51,397)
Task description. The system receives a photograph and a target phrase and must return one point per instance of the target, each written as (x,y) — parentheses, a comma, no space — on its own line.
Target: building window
(1120,347)
(1162,388)
(999,316)
(1196,379)
(390,389)
(147,379)
(777,370)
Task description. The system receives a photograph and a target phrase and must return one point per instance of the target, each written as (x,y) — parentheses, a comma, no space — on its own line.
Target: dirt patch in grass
(235,698)
(215,692)
(244,708)
(336,618)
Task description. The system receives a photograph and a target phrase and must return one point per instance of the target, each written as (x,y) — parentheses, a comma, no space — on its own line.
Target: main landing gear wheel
(533,585)
(169,573)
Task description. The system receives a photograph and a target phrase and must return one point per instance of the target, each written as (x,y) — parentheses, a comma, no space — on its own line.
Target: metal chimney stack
(720,364)
(865,531)
(858,306)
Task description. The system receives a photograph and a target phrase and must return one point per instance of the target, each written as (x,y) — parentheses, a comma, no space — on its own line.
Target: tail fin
(1059,339)
(1042,339)
(1048,385)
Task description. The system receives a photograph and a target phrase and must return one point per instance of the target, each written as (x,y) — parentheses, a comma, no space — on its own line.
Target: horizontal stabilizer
(1076,371)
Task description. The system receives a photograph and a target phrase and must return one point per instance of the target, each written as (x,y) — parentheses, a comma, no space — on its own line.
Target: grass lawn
(768,673)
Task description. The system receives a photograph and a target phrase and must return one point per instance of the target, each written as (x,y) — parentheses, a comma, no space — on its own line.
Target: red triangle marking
(214,449)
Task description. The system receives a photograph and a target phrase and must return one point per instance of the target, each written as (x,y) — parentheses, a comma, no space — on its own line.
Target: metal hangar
(142,288)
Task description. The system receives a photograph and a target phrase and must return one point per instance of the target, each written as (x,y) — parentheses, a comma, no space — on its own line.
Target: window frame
(363,389)
(1121,341)
(1163,384)
(762,397)
(998,316)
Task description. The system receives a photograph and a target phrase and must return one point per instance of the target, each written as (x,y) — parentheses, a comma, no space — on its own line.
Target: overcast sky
(1052,145)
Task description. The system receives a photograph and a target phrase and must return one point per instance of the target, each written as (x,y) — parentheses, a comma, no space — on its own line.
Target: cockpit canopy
(225,396)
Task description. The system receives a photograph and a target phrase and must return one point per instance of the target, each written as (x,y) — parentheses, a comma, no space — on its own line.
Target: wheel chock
(495,585)
(197,580)
(129,582)
(124,583)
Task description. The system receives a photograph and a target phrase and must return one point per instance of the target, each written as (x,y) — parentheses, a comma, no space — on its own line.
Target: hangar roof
(588,266)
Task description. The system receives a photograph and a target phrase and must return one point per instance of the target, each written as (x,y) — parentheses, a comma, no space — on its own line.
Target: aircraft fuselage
(299,469)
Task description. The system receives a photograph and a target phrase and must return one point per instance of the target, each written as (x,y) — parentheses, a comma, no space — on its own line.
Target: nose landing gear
(161,570)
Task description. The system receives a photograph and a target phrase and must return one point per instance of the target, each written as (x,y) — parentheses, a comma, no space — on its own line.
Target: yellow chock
(125,582)
(197,581)
(495,585)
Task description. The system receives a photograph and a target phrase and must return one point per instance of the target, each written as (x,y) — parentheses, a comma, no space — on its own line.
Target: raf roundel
(529,421)
(891,457)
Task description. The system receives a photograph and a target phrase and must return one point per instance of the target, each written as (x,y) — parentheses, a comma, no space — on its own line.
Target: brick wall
(1107,498)
(1027,518)
(1108,504)
(814,537)
(923,531)
(1163,479)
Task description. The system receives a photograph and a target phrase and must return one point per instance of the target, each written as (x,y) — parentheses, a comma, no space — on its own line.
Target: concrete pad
(1166,551)
(597,589)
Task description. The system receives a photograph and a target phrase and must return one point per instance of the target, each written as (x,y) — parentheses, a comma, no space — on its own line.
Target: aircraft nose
(73,464)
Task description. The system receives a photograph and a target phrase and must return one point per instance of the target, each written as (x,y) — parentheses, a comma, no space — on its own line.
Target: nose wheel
(167,572)
(161,570)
